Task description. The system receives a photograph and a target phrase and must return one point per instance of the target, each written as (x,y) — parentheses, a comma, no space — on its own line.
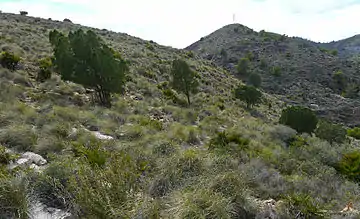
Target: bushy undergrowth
(212,159)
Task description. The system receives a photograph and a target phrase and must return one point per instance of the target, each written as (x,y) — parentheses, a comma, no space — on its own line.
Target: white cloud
(180,23)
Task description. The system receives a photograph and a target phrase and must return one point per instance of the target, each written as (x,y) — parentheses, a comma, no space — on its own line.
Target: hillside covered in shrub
(74,143)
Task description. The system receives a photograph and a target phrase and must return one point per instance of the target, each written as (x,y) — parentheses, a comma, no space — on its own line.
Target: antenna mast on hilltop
(234,19)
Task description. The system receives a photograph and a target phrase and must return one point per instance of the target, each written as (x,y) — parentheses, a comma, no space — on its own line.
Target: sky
(179,23)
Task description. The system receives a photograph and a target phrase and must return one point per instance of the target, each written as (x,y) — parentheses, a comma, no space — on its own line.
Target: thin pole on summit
(233,18)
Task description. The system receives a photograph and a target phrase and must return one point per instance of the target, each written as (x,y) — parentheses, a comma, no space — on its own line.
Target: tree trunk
(188,98)
(104,96)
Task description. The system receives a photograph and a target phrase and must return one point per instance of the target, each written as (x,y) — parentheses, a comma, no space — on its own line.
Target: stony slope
(158,163)
(347,47)
(305,71)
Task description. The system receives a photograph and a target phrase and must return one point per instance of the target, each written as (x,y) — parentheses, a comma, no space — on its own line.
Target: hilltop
(298,70)
(151,155)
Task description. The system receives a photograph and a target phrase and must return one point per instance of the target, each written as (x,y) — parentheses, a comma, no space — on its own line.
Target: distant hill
(299,70)
(347,47)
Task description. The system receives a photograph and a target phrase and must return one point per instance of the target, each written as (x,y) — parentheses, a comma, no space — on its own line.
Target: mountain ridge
(306,71)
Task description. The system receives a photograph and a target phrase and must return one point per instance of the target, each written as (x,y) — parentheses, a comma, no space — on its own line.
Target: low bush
(349,165)
(331,132)
(299,118)
(9,60)
(44,73)
(355,132)
(14,198)
(228,143)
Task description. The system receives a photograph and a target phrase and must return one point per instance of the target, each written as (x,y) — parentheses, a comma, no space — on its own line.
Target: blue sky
(178,23)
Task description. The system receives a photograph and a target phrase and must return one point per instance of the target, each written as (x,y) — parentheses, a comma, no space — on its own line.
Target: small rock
(100,136)
(34,158)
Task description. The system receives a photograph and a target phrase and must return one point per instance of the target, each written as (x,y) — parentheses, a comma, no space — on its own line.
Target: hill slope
(304,72)
(347,47)
(149,156)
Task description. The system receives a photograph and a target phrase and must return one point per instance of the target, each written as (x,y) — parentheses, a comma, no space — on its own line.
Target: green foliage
(243,67)
(334,52)
(263,64)
(20,137)
(351,91)
(150,47)
(305,204)
(14,198)
(190,54)
(328,51)
(183,78)
(85,59)
(249,94)
(94,153)
(106,192)
(276,71)
(5,157)
(225,143)
(250,56)
(9,60)
(255,80)
(202,204)
(45,65)
(224,55)
(331,132)
(299,118)
(339,80)
(349,165)
(51,185)
(355,132)
(297,142)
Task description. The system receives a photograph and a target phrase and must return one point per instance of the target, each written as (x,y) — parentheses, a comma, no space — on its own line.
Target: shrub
(51,185)
(276,71)
(150,47)
(9,60)
(14,198)
(67,20)
(334,52)
(299,118)
(349,165)
(24,13)
(224,55)
(339,80)
(282,132)
(250,56)
(190,54)
(202,204)
(331,132)
(305,205)
(255,79)
(355,132)
(94,153)
(44,73)
(249,94)
(351,91)
(106,192)
(297,142)
(5,157)
(18,136)
(263,64)
(243,67)
(164,149)
(226,143)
